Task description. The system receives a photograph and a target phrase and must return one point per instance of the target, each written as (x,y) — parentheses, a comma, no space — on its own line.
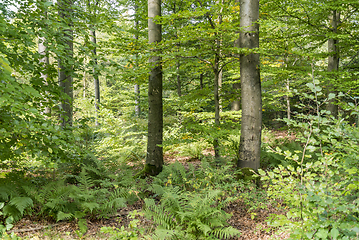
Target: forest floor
(251,229)
(252,224)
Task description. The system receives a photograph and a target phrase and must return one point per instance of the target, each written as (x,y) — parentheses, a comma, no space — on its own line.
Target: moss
(248,174)
(149,170)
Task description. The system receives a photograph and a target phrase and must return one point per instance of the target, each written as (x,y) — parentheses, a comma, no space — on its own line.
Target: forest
(179,119)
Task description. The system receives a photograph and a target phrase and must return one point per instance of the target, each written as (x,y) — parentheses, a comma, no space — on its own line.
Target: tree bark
(216,108)
(154,159)
(333,63)
(95,74)
(45,62)
(137,86)
(65,64)
(250,142)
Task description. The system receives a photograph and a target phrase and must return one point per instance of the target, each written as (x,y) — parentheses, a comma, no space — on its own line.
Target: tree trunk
(179,92)
(65,64)
(45,62)
(137,86)
(236,104)
(287,98)
(216,108)
(251,127)
(154,159)
(95,75)
(201,81)
(333,63)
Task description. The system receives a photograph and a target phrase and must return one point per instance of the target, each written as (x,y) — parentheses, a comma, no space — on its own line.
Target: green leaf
(331,96)
(334,233)
(261,172)
(322,233)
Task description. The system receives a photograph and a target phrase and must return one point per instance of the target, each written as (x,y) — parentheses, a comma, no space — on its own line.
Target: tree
(65,61)
(333,60)
(154,158)
(251,126)
(93,12)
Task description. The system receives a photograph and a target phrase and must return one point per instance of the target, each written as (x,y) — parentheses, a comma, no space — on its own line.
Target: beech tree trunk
(65,62)
(251,127)
(154,159)
(333,63)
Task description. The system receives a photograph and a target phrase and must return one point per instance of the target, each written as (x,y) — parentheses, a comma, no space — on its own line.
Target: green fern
(186,215)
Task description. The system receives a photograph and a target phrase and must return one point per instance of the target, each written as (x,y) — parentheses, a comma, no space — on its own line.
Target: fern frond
(63,216)
(159,215)
(5,193)
(165,234)
(116,200)
(21,203)
(225,233)
(89,206)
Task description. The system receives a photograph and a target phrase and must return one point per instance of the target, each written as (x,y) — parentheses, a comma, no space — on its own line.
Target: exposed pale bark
(45,62)
(251,127)
(333,63)
(65,64)
(154,159)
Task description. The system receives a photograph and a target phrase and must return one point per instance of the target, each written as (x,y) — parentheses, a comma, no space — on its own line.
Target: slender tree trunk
(45,62)
(179,90)
(154,159)
(95,74)
(137,86)
(217,84)
(236,104)
(65,64)
(287,85)
(216,109)
(201,81)
(333,63)
(251,127)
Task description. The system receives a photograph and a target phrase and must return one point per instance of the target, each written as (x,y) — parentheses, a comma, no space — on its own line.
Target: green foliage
(119,140)
(321,185)
(132,232)
(193,150)
(189,215)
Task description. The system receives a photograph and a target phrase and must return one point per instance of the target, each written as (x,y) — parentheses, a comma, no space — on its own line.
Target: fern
(186,215)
